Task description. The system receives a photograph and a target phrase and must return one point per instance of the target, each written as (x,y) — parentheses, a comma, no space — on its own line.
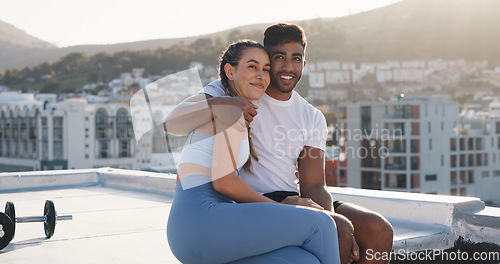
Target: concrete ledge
(415,207)
(424,221)
(35,180)
(137,180)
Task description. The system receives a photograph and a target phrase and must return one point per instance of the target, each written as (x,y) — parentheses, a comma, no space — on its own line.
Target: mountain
(410,29)
(450,29)
(10,35)
(22,54)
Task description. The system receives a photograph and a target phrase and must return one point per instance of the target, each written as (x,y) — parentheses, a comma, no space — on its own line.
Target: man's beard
(285,90)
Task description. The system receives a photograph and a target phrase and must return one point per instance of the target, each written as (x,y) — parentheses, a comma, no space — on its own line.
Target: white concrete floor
(108,226)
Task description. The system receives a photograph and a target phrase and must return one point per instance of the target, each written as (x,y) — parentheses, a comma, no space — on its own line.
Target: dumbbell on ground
(49,220)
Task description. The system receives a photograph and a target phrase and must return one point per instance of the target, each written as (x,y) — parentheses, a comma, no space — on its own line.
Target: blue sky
(74,22)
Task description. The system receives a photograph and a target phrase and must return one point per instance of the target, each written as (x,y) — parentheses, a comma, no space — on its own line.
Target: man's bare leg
(348,248)
(372,231)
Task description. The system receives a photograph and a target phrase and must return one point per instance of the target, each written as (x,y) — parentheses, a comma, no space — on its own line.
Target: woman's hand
(296,200)
(246,107)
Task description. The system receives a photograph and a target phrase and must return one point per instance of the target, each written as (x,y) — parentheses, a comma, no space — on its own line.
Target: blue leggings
(205,226)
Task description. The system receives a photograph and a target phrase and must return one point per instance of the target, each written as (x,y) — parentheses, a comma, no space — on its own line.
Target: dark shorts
(279,196)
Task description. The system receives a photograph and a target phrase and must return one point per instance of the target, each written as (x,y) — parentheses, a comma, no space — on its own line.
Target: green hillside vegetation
(72,71)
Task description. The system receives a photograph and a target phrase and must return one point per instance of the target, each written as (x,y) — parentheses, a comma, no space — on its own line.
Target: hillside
(10,35)
(18,56)
(410,29)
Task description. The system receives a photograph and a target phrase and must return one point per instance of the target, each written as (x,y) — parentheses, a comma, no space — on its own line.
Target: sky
(74,22)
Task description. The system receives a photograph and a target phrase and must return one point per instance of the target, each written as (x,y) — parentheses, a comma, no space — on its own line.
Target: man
(289,136)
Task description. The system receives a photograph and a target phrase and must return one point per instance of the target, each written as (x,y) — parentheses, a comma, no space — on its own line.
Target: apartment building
(419,144)
(73,134)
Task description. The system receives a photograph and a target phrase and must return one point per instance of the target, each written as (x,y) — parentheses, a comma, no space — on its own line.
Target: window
(122,117)
(101,117)
(402,111)
(479,144)
(103,149)
(124,148)
(453,161)
(415,146)
(395,181)
(431,177)
(370,180)
(485,174)
(470,144)
(496,173)
(415,163)
(453,178)
(399,129)
(58,150)
(470,177)
(430,143)
(366,119)
(429,127)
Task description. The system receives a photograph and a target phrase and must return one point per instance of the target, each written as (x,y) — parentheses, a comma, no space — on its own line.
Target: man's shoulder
(214,89)
(304,104)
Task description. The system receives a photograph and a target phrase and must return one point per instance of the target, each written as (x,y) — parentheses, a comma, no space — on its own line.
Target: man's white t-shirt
(280,130)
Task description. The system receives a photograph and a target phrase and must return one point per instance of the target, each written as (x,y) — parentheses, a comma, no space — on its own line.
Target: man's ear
(304,64)
(229,69)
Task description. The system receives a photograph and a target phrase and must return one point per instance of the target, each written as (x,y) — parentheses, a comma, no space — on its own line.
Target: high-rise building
(419,144)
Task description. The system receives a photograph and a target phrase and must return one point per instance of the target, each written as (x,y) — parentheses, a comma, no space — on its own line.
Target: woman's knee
(286,255)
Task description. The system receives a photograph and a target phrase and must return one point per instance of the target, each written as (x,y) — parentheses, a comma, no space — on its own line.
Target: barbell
(8,221)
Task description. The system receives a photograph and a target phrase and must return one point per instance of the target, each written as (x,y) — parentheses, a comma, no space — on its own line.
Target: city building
(419,144)
(72,134)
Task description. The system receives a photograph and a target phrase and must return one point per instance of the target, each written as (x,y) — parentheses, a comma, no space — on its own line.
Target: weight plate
(49,225)
(6,230)
(11,212)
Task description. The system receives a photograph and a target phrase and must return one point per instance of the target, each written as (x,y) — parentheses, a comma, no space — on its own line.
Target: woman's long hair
(233,55)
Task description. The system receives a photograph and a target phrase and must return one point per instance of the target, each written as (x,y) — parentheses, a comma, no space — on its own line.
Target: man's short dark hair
(283,33)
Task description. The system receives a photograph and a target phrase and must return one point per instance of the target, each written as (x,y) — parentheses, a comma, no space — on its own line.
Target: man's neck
(276,94)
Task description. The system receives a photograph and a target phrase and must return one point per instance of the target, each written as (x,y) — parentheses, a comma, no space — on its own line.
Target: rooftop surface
(120,216)
(109,226)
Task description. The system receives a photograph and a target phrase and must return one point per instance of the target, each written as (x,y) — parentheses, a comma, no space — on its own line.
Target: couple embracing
(250,183)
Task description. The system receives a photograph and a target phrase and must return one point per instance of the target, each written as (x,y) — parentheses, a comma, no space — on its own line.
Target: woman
(205,225)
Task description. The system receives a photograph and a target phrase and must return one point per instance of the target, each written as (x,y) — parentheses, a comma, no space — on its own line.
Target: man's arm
(201,108)
(312,177)
(312,185)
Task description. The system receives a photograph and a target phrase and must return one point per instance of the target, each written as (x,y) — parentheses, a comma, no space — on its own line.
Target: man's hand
(354,257)
(296,200)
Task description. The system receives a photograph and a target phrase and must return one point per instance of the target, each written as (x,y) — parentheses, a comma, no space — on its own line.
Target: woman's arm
(225,156)
(200,109)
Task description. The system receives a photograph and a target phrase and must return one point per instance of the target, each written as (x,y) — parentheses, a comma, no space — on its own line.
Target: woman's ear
(228,69)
